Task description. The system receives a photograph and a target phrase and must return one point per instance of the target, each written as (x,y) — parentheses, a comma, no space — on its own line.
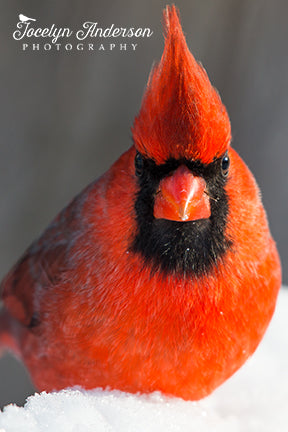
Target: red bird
(160,275)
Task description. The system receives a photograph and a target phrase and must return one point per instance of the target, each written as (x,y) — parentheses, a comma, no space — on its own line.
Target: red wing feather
(35,271)
(42,266)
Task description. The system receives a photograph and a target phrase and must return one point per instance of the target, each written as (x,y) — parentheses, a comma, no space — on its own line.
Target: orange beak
(182,197)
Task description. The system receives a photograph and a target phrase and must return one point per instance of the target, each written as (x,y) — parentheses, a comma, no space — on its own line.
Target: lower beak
(182,197)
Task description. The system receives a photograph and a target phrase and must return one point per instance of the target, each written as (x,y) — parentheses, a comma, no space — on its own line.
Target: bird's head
(181,135)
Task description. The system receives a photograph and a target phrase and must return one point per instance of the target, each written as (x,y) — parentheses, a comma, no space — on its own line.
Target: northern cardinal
(162,274)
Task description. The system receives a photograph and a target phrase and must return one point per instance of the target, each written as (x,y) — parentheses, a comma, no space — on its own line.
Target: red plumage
(86,305)
(181,114)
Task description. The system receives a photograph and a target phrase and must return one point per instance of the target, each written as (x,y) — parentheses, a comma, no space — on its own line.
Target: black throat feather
(191,248)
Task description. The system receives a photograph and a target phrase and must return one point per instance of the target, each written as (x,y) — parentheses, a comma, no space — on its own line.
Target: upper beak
(182,197)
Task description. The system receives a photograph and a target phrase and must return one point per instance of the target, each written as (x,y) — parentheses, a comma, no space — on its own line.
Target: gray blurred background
(66,116)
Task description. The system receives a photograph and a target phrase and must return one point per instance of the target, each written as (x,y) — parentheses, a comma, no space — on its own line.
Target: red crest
(182,115)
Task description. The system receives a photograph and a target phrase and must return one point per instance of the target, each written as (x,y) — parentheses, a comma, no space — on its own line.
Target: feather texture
(182,115)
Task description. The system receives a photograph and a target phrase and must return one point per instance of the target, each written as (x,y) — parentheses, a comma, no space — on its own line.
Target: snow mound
(254,399)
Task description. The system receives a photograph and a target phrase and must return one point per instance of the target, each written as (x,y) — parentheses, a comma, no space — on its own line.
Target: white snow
(254,399)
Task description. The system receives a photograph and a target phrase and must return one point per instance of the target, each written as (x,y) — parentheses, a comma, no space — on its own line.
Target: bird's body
(124,291)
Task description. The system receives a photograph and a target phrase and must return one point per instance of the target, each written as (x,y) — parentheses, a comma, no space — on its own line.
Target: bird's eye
(225,165)
(139,164)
